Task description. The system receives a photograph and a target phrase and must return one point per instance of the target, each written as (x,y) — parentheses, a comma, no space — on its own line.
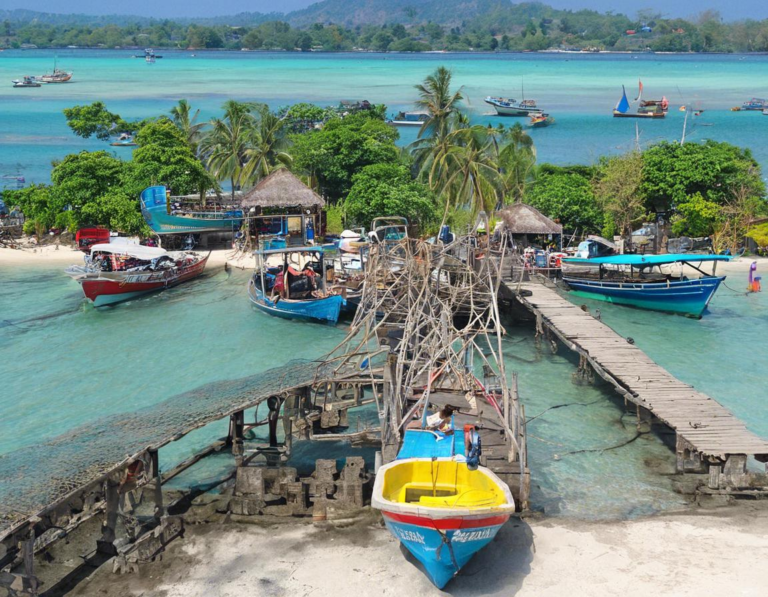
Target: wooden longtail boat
(117,272)
(159,215)
(440,504)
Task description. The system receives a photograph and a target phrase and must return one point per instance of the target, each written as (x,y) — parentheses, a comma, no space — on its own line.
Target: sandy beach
(716,552)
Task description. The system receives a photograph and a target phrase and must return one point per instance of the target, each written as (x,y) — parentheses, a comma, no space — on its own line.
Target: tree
(96,120)
(224,145)
(187,123)
(268,146)
(38,205)
(517,162)
(386,190)
(82,177)
(436,99)
(618,190)
(330,157)
(696,217)
(568,197)
(117,211)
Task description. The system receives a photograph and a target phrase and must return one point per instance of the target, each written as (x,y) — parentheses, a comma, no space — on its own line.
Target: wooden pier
(710,439)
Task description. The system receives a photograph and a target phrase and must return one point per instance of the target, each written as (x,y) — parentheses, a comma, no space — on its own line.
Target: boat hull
(325,310)
(111,288)
(688,297)
(617,114)
(514,111)
(443,546)
(155,212)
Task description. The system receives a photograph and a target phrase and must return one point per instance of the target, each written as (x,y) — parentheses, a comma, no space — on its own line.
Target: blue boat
(639,281)
(440,504)
(290,283)
(161,215)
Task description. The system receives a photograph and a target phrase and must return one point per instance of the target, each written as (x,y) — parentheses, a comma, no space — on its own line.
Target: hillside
(381,12)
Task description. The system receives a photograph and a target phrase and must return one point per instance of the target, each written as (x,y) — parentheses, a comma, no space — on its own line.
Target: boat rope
(528,420)
(447,541)
(744,292)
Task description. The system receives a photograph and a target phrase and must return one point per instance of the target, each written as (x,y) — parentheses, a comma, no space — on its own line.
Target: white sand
(697,555)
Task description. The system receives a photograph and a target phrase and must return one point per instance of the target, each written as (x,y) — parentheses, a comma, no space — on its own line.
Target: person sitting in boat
(442,420)
(278,288)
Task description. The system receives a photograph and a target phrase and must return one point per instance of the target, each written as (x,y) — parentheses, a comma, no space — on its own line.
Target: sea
(64,363)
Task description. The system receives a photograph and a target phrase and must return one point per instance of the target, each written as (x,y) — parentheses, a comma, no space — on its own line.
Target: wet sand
(716,552)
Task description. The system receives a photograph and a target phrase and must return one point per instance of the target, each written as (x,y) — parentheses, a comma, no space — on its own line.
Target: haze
(755,9)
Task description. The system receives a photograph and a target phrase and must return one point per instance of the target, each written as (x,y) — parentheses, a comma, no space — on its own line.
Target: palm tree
(268,144)
(438,101)
(517,161)
(225,145)
(187,123)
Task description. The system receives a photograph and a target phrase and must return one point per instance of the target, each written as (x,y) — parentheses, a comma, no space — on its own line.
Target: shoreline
(698,553)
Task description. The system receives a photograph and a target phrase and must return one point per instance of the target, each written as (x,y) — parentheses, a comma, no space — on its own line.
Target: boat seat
(471,498)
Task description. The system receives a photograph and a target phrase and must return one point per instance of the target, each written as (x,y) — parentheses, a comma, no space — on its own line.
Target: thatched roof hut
(281,189)
(520,218)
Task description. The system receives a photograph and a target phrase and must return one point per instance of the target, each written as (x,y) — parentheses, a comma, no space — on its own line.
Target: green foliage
(81,177)
(673,172)
(96,120)
(342,148)
(759,234)
(118,211)
(618,190)
(697,217)
(334,219)
(569,198)
(39,206)
(388,190)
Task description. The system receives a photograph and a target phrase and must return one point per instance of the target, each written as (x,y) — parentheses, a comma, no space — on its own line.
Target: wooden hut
(527,224)
(280,204)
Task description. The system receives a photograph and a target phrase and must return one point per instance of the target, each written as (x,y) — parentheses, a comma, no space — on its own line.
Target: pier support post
(236,435)
(106,544)
(644,419)
(154,458)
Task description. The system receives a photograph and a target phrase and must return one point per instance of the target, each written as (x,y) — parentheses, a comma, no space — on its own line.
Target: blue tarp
(419,443)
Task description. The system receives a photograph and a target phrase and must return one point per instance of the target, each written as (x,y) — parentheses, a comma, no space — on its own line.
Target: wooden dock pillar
(154,458)
(644,419)
(106,544)
(236,435)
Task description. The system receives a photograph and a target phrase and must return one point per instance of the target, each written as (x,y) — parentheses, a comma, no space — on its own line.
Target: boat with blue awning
(166,217)
(656,282)
(291,283)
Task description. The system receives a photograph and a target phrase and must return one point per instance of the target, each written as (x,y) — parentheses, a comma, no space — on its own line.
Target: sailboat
(646,109)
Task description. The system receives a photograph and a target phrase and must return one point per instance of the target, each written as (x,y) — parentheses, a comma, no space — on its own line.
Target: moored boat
(410,119)
(510,107)
(57,76)
(755,104)
(291,283)
(646,108)
(164,217)
(438,502)
(541,121)
(26,82)
(642,281)
(117,272)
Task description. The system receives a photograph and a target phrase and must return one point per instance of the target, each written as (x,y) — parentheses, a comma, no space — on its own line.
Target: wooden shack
(282,205)
(527,225)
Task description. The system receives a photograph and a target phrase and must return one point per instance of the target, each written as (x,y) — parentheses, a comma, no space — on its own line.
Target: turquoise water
(63,363)
(579,90)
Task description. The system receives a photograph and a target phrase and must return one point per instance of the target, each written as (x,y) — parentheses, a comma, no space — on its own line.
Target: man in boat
(442,420)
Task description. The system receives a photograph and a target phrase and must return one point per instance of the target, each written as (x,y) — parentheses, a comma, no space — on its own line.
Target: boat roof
(289,250)
(138,251)
(645,260)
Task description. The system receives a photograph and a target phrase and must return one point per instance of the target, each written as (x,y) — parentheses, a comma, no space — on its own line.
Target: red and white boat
(116,272)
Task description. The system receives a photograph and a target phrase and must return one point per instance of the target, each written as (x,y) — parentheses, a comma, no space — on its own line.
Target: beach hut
(526,225)
(283,209)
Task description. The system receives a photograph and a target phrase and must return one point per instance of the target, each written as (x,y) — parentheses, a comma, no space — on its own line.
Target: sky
(757,9)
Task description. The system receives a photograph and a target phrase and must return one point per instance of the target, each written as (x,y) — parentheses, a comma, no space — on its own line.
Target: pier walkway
(709,437)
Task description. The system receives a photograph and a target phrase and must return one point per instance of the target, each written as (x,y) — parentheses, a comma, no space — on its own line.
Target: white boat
(510,107)
(410,119)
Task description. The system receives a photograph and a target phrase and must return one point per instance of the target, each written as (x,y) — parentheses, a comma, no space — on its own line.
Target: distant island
(396,26)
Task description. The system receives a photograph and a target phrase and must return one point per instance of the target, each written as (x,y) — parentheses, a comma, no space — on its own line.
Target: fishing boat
(117,272)
(125,140)
(541,120)
(510,107)
(646,108)
(755,104)
(410,119)
(166,217)
(26,82)
(438,502)
(291,283)
(656,282)
(57,76)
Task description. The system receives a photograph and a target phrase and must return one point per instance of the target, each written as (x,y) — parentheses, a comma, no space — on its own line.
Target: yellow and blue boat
(440,504)
(641,281)
(162,218)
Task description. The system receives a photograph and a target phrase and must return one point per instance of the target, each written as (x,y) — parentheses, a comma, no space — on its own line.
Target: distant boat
(646,109)
(57,76)
(438,502)
(541,120)
(124,141)
(147,52)
(116,272)
(291,283)
(755,103)
(166,218)
(765,111)
(149,59)
(511,107)
(640,281)
(410,119)
(27,82)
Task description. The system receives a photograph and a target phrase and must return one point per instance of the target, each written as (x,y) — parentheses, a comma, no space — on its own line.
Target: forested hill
(381,12)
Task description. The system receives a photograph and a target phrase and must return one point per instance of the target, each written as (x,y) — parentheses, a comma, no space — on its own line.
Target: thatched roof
(520,218)
(281,189)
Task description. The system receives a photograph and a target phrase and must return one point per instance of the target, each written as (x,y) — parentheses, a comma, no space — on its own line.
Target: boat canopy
(137,251)
(290,250)
(648,260)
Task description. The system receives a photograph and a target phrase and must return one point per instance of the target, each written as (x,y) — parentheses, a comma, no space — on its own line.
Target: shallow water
(64,363)
(579,90)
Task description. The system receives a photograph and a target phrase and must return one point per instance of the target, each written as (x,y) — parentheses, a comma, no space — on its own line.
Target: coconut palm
(436,99)
(268,144)
(186,122)
(517,161)
(225,145)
